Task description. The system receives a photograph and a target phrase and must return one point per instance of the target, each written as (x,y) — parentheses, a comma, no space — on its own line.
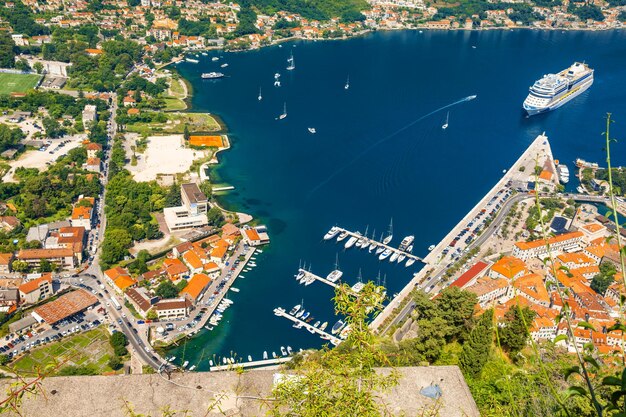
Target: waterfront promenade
(536,153)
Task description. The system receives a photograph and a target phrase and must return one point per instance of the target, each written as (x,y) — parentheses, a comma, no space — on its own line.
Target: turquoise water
(380,152)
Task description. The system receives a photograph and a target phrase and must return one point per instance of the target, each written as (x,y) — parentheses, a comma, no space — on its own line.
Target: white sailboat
(445,125)
(380,248)
(312,130)
(284,113)
(292,63)
(260,96)
(390,233)
(347,86)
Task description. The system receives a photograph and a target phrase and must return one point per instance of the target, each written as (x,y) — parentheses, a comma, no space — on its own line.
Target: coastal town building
(119,279)
(83,212)
(195,287)
(90,116)
(193,211)
(61,257)
(140,299)
(6,260)
(255,236)
(36,289)
(173,309)
(567,242)
(65,306)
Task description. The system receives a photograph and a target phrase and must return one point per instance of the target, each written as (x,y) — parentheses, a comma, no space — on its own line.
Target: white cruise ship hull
(558,101)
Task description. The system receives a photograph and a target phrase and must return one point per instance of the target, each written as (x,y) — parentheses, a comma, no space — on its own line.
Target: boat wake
(384,139)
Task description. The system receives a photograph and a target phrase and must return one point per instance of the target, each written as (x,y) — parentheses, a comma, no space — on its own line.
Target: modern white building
(192,213)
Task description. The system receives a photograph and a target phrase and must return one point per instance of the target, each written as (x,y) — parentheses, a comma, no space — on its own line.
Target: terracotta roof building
(65,306)
(567,242)
(195,287)
(508,267)
(36,289)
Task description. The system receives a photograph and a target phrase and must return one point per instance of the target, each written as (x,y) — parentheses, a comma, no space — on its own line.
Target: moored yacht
(337,327)
(332,233)
(390,233)
(394,256)
(406,242)
(342,236)
(385,254)
(351,241)
(294,310)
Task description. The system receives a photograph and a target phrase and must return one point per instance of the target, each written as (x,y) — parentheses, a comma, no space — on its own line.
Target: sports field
(17,83)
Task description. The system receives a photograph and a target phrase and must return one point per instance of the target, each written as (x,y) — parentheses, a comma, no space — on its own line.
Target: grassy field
(91,348)
(17,83)
(197,122)
(174,104)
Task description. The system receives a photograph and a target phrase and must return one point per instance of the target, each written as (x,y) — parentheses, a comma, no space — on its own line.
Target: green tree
(20,266)
(514,334)
(477,347)
(22,65)
(46,266)
(167,289)
(215,217)
(115,363)
(152,315)
(4,359)
(38,67)
(7,50)
(604,279)
(186,134)
(457,308)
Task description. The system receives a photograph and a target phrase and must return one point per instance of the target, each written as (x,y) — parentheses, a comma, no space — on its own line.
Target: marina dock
(280,312)
(253,364)
(311,275)
(380,244)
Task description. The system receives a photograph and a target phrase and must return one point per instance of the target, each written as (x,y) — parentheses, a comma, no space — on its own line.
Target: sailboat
(380,248)
(260,96)
(390,234)
(284,113)
(347,86)
(292,63)
(445,125)
(336,273)
(312,130)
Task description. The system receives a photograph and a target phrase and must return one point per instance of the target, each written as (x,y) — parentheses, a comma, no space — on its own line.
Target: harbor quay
(487,213)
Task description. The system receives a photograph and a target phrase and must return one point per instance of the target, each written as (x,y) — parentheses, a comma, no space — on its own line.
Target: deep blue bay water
(374,157)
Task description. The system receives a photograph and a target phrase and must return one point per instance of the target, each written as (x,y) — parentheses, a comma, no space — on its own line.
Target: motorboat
(384,255)
(342,236)
(332,233)
(312,130)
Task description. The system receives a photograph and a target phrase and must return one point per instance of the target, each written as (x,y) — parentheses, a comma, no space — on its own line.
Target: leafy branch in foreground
(341,381)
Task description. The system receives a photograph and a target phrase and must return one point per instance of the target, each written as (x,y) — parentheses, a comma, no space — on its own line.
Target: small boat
(210,362)
(283,351)
(292,63)
(224,65)
(265,355)
(294,310)
(384,255)
(276,83)
(312,130)
(234,289)
(324,326)
(337,327)
(445,125)
(193,61)
(300,313)
(332,233)
(342,236)
(431,247)
(347,86)
(231,360)
(336,274)
(311,330)
(224,361)
(317,324)
(580,189)
(215,58)
(249,358)
(274,355)
(284,113)
(406,242)
(289,350)
(401,258)
(390,233)
(260,96)
(276,76)
(305,315)
(208,327)
(172,359)
(373,243)
(297,325)
(185,364)
(211,75)
(192,367)
(410,262)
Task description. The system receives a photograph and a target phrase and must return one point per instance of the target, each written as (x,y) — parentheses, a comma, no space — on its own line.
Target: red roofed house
(196,287)
(255,236)
(92,164)
(469,277)
(36,289)
(82,213)
(119,279)
(175,269)
(567,242)
(193,261)
(508,267)
(5,262)
(93,149)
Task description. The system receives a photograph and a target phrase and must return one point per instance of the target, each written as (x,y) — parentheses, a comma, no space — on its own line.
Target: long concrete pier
(253,364)
(280,312)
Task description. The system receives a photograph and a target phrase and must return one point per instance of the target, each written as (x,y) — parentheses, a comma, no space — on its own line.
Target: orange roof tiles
(211,267)
(219,251)
(475,270)
(575,258)
(115,273)
(593,227)
(81,212)
(555,239)
(34,284)
(174,267)
(509,267)
(124,281)
(65,306)
(252,235)
(212,141)
(133,111)
(196,285)
(533,286)
(94,51)
(5,258)
(545,175)
(192,259)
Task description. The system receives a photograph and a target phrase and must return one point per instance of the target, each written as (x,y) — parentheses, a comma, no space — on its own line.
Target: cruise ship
(554,90)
